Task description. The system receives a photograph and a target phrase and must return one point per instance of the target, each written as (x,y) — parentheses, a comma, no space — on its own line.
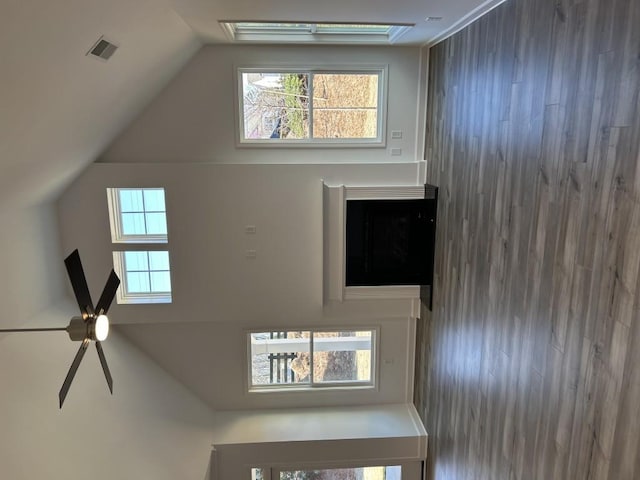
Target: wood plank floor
(529,365)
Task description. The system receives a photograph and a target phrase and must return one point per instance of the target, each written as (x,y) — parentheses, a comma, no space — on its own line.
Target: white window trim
(307,33)
(115,219)
(134,243)
(411,468)
(310,387)
(335,199)
(379,141)
(123,296)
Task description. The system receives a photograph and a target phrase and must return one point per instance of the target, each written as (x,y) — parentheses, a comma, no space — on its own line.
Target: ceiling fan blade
(108,293)
(105,367)
(72,371)
(79,283)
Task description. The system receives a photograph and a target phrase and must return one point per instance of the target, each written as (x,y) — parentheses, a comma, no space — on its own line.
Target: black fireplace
(390,242)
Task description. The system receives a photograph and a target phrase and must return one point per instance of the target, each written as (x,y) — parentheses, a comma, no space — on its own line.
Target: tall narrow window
(138,216)
(281,107)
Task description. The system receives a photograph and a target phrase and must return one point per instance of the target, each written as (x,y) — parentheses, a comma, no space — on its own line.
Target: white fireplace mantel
(334,216)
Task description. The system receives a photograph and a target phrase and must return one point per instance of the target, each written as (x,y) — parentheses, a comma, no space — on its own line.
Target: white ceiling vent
(103,49)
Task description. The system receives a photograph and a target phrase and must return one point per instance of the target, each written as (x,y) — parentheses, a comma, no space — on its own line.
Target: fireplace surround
(378,241)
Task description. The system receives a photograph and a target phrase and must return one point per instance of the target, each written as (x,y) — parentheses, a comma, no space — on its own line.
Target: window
(145,276)
(311,358)
(297,32)
(389,472)
(288,107)
(138,216)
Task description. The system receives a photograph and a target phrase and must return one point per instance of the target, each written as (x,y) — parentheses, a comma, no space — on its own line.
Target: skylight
(299,32)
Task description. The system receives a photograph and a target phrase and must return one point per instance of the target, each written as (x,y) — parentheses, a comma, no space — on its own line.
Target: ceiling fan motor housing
(79,329)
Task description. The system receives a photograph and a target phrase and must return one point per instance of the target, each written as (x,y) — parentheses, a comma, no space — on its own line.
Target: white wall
(193,120)
(309,424)
(327,437)
(208,207)
(150,428)
(211,360)
(30,263)
(214,284)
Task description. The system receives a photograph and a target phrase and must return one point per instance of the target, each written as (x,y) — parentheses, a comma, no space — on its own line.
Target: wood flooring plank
(529,363)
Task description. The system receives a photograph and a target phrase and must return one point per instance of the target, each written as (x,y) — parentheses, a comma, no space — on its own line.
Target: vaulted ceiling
(59,109)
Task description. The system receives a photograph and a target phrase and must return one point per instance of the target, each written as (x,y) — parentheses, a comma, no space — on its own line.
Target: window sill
(309,388)
(143,300)
(375,143)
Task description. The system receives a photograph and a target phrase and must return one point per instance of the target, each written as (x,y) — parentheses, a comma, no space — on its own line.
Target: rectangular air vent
(103,49)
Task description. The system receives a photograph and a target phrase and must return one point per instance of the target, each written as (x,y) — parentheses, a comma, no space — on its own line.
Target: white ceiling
(59,109)
(203,15)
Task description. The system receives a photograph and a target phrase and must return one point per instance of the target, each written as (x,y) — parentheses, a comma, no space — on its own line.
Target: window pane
(345,105)
(156,223)
(140,282)
(137,282)
(131,200)
(353,28)
(373,473)
(275,105)
(158,260)
(160,282)
(139,213)
(154,199)
(342,356)
(257,474)
(133,224)
(136,261)
(280,358)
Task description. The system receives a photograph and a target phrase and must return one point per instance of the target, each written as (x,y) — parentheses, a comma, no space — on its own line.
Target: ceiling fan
(92,326)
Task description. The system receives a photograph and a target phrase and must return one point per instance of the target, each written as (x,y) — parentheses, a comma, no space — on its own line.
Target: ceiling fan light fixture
(101,328)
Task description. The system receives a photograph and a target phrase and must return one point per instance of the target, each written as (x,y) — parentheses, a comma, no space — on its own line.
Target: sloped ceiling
(60,108)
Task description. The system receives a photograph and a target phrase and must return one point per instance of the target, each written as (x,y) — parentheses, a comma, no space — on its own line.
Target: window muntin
(137,215)
(287,107)
(145,276)
(311,358)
